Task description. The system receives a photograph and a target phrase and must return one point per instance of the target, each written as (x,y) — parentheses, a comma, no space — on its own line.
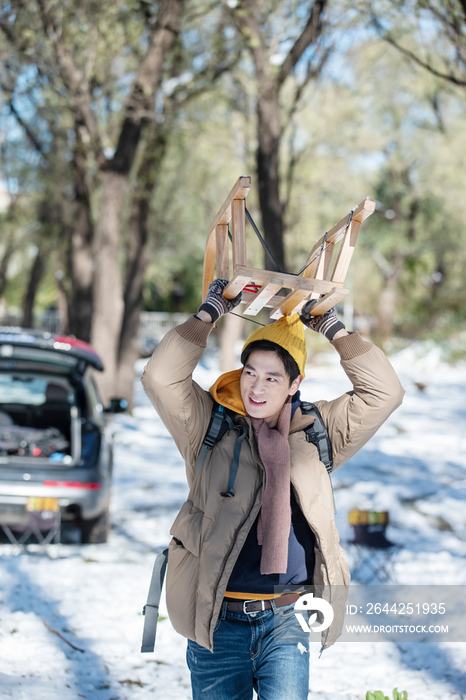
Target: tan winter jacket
(210,530)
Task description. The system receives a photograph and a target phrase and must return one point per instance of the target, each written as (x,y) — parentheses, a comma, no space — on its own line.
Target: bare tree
(148,174)
(262,41)
(104,304)
(108,293)
(44,49)
(94,260)
(79,233)
(136,255)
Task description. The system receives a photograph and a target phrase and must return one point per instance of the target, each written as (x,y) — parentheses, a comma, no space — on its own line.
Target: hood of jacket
(226,391)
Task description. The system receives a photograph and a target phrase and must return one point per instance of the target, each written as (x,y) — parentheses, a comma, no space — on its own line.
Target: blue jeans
(267,651)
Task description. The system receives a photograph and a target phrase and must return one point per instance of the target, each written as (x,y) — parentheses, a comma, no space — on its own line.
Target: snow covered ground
(415,467)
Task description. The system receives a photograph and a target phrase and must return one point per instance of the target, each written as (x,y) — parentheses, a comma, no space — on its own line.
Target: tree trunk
(269,82)
(4,265)
(82,273)
(62,303)
(386,306)
(136,261)
(108,293)
(81,253)
(136,256)
(35,277)
(267,163)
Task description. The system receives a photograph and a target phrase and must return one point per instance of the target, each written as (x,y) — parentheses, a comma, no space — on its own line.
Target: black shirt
(246,576)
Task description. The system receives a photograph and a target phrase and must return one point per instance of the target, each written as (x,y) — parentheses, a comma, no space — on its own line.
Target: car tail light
(88,486)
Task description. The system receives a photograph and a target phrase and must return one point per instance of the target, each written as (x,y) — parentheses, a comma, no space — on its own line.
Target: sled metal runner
(282,292)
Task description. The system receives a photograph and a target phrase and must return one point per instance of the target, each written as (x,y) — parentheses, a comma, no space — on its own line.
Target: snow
(415,467)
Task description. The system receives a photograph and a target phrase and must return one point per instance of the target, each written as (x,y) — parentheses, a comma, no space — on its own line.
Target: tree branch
(72,76)
(54,631)
(463,6)
(290,171)
(386,36)
(29,133)
(312,73)
(249,27)
(140,102)
(453,30)
(209,75)
(309,35)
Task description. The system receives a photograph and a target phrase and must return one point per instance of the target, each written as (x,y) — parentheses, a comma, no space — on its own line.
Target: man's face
(265,386)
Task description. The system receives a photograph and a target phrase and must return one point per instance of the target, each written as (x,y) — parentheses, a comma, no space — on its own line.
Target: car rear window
(23,389)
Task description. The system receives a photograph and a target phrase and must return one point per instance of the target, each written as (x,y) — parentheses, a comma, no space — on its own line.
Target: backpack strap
(230,492)
(151,608)
(212,435)
(220,422)
(317,434)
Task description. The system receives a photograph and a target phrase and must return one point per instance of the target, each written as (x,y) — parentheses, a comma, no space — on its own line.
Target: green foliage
(378,695)
(402,145)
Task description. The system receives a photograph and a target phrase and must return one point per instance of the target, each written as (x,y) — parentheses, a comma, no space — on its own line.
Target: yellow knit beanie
(288,332)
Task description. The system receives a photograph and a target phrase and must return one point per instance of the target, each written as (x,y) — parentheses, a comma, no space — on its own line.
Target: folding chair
(283,292)
(40,524)
(372,555)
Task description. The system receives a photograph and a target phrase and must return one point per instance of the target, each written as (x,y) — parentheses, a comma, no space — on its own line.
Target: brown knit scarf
(274,523)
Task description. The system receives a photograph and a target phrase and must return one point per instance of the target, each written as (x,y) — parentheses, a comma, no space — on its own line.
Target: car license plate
(43,503)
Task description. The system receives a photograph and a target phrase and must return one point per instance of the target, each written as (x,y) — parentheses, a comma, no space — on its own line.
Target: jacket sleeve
(353,418)
(184,407)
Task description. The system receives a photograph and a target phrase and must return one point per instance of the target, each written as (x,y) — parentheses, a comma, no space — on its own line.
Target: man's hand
(216,304)
(327,324)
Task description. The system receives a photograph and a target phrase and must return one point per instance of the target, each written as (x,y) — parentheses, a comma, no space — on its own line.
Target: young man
(259,518)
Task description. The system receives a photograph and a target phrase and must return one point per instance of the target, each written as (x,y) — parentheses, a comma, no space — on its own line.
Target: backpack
(221,420)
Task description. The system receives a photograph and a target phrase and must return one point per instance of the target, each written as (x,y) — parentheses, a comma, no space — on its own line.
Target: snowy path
(415,467)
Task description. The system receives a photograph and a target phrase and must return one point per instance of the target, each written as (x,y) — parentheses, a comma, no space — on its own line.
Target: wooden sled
(284,293)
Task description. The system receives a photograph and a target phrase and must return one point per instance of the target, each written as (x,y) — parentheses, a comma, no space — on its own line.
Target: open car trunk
(55,449)
(40,421)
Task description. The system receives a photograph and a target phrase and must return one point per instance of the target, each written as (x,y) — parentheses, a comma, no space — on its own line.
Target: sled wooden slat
(360,213)
(323,261)
(328,300)
(239,192)
(346,252)
(296,300)
(261,298)
(325,302)
(245,276)
(238,224)
(293,301)
(221,238)
(283,292)
(210,258)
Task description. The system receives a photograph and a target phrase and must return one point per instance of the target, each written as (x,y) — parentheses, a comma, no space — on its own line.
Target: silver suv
(56,442)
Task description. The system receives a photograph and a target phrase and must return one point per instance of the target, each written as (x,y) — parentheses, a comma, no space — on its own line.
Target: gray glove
(327,324)
(216,304)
